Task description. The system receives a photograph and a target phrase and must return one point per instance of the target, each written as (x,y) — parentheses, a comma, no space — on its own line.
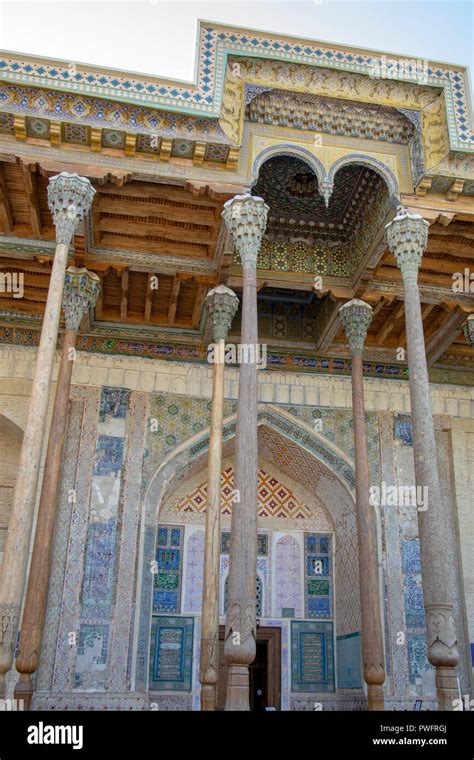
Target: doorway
(264,672)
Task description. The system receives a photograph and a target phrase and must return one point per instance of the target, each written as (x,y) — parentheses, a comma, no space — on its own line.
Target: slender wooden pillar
(407,237)
(80,293)
(222,305)
(69,198)
(356,316)
(246,218)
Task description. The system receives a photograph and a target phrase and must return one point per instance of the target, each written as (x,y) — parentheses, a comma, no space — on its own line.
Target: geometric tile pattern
(194,564)
(274,498)
(288,577)
(174,419)
(318,576)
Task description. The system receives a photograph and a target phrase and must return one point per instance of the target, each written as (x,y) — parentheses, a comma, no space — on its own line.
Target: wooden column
(407,237)
(356,317)
(80,293)
(246,218)
(222,304)
(69,198)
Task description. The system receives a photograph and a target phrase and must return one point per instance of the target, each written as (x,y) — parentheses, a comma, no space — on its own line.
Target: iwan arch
(181,535)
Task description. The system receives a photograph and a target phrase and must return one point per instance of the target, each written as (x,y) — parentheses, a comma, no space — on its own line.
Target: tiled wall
(100,555)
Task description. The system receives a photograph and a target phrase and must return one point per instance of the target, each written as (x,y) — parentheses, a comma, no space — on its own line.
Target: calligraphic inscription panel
(312,657)
(171,653)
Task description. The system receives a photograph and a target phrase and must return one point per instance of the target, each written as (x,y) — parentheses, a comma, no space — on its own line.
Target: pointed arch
(285,149)
(358,159)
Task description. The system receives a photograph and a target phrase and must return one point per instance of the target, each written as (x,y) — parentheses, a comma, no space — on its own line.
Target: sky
(158,37)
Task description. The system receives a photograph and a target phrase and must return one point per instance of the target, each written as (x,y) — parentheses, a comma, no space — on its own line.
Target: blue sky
(158,36)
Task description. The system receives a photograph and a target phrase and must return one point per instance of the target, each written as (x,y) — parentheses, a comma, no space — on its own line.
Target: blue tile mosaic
(403,429)
(108,455)
(167,578)
(114,403)
(414,608)
(99,567)
(318,576)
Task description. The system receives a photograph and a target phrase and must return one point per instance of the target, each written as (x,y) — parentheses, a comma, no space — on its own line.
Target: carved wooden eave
(164,157)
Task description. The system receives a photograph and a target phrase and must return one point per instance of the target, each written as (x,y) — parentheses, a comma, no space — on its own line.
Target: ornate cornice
(216,43)
(281,361)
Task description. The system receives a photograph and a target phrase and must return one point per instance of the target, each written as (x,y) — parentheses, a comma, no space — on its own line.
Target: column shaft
(209,662)
(34,612)
(407,237)
(433,524)
(69,199)
(12,581)
(246,218)
(372,639)
(240,642)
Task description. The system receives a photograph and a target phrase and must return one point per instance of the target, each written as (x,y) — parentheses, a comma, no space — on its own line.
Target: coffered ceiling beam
(389,324)
(173,302)
(32,201)
(124,298)
(445,335)
(6,216)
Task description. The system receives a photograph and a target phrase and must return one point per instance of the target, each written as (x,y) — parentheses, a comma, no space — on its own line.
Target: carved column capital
(222,304)
(246,218)
(81,289)
(356,316)
(469,329)
(69,199)
(407,236)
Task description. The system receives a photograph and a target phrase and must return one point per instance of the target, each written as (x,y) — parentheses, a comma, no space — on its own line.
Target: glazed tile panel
(98,593)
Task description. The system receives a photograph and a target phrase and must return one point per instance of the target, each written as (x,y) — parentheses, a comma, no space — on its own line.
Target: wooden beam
(100,299)
(32,200)
(389,323)
(436,244)
(426,309)
(124,298)
(198,304)
(148,298)
(168,248)
(461,229)
(173,302)
(164,192)
(136,207)
(448,331)
(393,274)
(6,216)
(144,230)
